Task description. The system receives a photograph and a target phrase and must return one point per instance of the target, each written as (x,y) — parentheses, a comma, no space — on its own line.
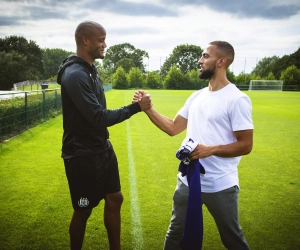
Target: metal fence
(21,110)
(34,85)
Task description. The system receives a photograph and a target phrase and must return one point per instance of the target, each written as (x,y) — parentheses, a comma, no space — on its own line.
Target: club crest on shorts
(83,202)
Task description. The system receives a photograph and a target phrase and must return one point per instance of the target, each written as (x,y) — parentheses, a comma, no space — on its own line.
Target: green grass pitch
(36,208)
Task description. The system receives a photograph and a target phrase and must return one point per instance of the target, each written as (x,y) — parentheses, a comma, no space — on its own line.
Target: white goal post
(275,85)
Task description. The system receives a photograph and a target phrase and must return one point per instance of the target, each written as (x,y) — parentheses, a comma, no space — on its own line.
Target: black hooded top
(85,117)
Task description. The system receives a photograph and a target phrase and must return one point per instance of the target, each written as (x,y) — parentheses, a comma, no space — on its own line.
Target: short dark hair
(225,49)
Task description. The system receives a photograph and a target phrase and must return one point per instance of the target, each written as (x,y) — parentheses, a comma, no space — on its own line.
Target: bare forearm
(230,150)
(162,122)
(242,146)
(167,125)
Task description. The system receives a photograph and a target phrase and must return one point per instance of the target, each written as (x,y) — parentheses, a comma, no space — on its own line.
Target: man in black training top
(90,162)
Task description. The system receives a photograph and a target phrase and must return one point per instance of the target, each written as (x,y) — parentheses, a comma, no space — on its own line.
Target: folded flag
(193,229)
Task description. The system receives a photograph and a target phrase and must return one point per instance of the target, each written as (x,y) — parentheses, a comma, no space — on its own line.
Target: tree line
(123,66)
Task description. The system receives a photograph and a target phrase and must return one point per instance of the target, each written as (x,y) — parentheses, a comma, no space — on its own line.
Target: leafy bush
(291,76)
(175,79)
(119,79)
(20,113)
(135,78)
(153,81)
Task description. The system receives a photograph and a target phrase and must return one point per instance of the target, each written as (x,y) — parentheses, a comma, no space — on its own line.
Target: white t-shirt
(212,118)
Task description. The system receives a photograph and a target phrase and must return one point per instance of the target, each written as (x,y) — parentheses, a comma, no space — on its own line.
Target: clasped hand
(143,99)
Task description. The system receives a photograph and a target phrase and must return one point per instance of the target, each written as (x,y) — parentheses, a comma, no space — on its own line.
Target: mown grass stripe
(136,225)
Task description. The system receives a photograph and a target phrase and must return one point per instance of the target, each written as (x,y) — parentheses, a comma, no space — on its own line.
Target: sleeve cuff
(134,108)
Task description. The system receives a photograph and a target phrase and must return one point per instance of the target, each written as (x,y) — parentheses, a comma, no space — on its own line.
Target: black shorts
(91,177)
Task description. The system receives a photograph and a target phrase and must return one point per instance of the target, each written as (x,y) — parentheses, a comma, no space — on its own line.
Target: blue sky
(256,29)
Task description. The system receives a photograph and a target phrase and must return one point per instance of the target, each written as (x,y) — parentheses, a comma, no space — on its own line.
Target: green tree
(184,56)
(291,76)
(230,76)
(276,65)
(52,58)
(255,77)
(286,61)
(295,58)
(121,51)
(126,64)
(242,80)
(280,65)
(120,79)
(270,76)
(135,78)
(265,66)
(153,81)
(104,74)
(175,79)
(29,49)
(12,69)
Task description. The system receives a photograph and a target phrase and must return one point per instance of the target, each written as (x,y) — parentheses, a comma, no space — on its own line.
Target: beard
(95,54)
(98,55)
(208,73)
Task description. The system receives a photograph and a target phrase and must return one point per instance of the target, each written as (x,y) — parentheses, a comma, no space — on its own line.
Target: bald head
(224,49)
(90,40)
(86,29)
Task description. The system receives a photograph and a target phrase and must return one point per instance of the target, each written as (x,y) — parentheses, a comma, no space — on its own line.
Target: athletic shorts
(91,177)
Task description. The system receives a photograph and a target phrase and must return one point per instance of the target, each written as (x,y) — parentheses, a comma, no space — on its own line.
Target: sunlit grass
(35,201)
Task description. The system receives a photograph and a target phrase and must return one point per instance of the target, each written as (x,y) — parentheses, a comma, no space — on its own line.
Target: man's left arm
(242,146)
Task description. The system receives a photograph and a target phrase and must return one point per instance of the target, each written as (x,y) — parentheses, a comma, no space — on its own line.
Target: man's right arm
(167,125)
(79,90)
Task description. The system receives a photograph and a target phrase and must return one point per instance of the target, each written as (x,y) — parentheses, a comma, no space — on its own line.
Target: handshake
(143,99)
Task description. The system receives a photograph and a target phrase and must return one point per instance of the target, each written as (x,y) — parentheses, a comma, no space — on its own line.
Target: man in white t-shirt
(219,118)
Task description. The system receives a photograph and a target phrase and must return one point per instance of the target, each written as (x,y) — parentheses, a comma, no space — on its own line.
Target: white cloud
(159,26)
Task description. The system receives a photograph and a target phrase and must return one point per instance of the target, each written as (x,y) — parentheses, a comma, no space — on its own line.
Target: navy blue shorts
(91,177)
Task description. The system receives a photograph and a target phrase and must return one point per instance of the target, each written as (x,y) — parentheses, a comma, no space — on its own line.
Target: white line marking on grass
(136,225)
